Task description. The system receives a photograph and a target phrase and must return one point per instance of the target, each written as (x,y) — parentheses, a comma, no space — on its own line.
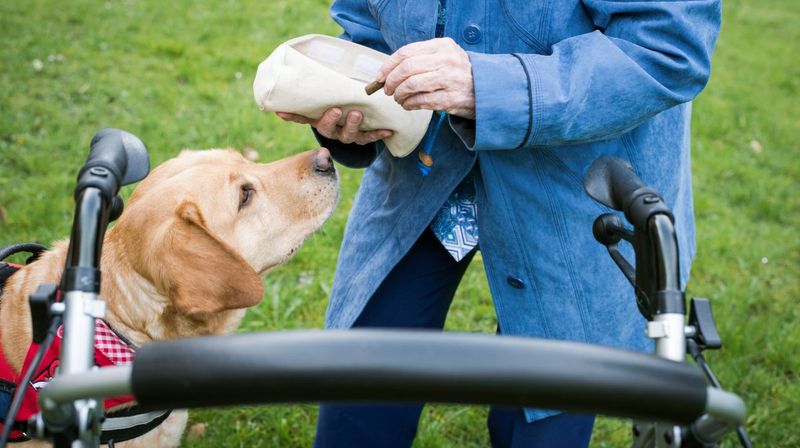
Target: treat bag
(310,74)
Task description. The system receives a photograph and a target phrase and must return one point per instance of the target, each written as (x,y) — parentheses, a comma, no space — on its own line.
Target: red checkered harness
(110,349)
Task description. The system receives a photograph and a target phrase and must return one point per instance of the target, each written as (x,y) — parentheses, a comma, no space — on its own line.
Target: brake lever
(608,230)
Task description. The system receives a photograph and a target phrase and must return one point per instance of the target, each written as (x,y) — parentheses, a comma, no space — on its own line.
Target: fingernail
(354,117)
(336,113)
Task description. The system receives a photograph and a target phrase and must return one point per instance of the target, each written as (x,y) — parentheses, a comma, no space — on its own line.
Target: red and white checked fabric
(109,344)
(109,349)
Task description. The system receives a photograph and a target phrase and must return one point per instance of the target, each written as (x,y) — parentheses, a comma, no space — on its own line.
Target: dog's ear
(200,272)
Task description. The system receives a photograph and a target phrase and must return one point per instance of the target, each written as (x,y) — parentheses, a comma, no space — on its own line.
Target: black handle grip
(123,150)
(408,366)
(116,158)
(612,182)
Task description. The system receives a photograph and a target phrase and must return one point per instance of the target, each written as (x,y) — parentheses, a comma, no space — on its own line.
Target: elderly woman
(533,92)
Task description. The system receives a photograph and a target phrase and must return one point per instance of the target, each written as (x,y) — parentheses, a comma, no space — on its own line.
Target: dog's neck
(141,313)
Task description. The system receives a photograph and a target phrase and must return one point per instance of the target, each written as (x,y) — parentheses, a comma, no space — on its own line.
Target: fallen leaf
(250,153)
(305,279)
(196,431)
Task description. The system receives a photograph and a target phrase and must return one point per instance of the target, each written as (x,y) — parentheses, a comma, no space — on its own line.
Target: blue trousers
(417,294)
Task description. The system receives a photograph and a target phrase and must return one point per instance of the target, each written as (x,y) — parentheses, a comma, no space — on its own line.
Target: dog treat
(373,87)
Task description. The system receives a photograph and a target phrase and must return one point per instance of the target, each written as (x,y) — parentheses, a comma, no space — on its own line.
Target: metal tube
(77,354)
(725,406)
(99,383)
(724,411)
(708,430)
(668,331)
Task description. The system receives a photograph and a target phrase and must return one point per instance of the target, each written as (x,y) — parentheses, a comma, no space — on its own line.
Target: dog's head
(204,226)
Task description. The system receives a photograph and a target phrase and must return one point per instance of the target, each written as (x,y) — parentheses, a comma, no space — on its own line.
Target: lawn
(179,75)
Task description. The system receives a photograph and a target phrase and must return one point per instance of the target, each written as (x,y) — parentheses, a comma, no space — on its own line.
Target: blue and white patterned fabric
(441,15)
(456,223)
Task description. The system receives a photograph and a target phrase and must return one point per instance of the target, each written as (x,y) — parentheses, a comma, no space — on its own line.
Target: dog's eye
(245,195)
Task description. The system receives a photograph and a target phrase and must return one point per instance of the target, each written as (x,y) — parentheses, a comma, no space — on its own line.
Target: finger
(414,65)
(438,100)
(327,123)
(368,137)
(454,103)
(349,132)
(294,118)
(421,83)
(406,51)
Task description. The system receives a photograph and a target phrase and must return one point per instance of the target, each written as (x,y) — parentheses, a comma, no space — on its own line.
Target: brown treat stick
(373,87)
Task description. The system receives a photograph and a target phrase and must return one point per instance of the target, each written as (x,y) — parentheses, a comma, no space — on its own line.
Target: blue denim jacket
(557,84)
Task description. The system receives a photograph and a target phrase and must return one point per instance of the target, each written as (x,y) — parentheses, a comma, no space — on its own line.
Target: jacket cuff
(350,155)
(503,104)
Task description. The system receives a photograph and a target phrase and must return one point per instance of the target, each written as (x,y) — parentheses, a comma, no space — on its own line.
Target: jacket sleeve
(360,27)
(644,58)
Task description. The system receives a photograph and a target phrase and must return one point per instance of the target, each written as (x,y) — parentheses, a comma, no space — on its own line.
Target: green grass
(167,71)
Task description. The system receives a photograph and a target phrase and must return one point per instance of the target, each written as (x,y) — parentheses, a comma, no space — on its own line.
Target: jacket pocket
(572,163)
(530,21)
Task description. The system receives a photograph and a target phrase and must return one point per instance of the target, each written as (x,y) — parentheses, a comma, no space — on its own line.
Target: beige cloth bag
(310,74)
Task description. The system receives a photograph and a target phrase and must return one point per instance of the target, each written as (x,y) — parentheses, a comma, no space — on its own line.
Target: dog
(187,255)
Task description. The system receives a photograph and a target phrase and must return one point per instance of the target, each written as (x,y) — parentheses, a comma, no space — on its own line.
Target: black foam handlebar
(378,366)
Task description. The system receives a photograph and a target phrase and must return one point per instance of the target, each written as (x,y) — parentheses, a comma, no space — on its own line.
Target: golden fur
(185,258)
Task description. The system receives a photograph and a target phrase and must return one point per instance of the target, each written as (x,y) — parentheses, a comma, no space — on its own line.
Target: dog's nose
(322,162)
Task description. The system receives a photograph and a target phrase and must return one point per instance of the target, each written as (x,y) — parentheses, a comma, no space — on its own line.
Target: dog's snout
(322,162)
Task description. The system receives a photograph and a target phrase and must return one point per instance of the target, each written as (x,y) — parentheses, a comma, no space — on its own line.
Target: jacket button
(472,34)
(515,282)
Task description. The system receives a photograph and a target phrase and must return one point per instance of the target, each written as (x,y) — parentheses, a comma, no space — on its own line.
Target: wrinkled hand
(434,74)
(327,126)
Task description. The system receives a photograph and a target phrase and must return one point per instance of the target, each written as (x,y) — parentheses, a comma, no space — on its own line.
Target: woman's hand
(327,126)
(434,74)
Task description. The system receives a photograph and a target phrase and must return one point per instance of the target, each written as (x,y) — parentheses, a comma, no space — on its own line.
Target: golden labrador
(186,256)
